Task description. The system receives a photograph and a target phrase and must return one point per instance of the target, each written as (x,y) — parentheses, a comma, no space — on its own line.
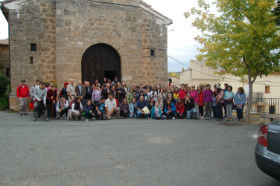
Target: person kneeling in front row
(190,107)
(62,108)
(111,108)
(141,105)
(75,110)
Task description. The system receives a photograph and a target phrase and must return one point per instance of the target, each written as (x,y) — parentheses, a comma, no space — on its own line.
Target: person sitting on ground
(190,107)
(133,108)
(156,112)
(111,107)
(151,104)
(180,109)
(39,99)
(169,110)
(62,107)
(100,109)
(23,95)
(88,110)
(76,109)
(124,107)
(141,104)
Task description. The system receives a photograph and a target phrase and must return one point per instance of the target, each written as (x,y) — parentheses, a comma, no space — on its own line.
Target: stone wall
(154,37)
(81,24)
(33,22)
(4,58)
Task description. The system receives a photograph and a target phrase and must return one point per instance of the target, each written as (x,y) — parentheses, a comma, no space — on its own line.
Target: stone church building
(85,39)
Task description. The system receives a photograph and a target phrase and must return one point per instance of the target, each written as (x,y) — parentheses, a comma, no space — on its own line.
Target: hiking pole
(52,109)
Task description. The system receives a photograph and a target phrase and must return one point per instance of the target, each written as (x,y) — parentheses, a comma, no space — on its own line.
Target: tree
(241,38)
(276,12)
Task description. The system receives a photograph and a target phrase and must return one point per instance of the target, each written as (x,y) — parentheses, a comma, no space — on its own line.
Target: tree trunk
(249,101)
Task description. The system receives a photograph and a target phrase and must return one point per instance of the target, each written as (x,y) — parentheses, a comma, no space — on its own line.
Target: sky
(181,43)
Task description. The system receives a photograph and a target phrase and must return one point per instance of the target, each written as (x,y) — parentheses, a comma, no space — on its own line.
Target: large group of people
(113,99)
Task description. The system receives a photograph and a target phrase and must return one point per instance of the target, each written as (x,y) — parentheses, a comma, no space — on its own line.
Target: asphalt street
(128,153)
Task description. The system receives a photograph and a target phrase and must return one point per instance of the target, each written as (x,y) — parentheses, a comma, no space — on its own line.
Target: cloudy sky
(181,44)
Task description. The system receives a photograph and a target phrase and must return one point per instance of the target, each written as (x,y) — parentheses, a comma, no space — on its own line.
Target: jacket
(173,108)
(88,108)
(194,95)
(182,94)
(40,94)
(189,105)
(23,91)
(153,113)
(96,95)
(180,107)
(200,99)
(239,99)
(207,96)
(61,105)
(79,92)
(51,93)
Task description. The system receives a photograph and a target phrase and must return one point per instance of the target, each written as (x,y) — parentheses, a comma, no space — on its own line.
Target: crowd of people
(113,99)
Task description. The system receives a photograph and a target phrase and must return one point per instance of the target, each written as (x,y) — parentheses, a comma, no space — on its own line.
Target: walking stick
(52,109)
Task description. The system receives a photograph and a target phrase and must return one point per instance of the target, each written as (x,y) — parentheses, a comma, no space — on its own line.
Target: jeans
(214,108)
(39,109)
(240,112)
(139,114)
(229,110)
(201,111)
(208,109)
(23,105)
(191,113)
(219,109)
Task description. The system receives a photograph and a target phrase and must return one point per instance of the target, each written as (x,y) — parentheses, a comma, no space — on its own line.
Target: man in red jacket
(23,94)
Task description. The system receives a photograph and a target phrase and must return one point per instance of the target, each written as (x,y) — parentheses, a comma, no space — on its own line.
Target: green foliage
(241,38)
(276,12)
(4,82)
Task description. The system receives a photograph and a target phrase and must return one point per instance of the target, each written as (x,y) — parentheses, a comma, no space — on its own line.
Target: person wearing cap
(63,92)
(23,95)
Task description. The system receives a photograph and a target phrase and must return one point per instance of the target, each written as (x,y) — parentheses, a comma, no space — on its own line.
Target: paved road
(127,153)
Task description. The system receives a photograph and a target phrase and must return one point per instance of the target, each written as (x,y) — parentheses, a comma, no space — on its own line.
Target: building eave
(149,8)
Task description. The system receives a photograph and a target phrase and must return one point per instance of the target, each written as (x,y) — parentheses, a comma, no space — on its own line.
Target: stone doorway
(99,61)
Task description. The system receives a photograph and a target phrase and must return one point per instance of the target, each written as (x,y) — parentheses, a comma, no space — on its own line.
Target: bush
(4,82)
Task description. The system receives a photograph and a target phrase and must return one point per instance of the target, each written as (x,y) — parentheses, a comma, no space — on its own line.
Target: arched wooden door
(99,61)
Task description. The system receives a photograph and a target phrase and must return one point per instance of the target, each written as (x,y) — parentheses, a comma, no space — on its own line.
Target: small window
(267,89)
(152,52)
(8,72)
(31,60)
(33,47)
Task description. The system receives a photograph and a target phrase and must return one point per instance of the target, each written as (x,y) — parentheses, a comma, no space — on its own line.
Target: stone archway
(99,61)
